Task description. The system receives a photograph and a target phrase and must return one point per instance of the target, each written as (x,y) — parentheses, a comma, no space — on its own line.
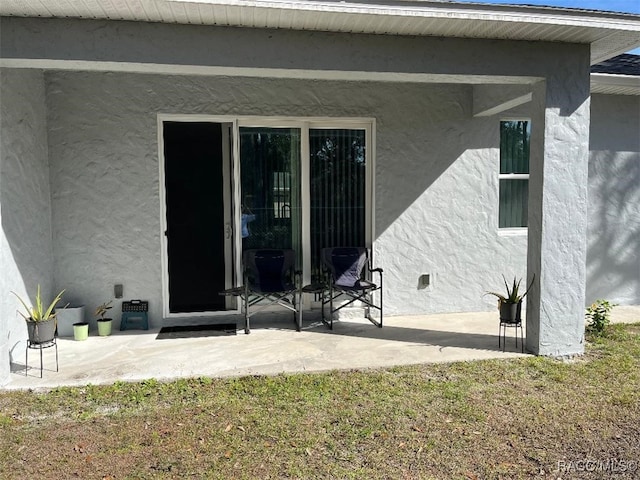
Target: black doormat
(194,331)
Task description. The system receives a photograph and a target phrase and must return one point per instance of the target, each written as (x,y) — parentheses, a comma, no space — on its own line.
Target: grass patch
(519,418)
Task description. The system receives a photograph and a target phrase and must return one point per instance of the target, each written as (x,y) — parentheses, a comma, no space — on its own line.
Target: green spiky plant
(513,294)
(37,313)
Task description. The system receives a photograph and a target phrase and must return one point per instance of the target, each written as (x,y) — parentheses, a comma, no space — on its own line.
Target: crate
(135,306)
(134,314)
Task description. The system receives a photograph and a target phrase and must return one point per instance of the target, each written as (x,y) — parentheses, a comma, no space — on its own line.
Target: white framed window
(515,136)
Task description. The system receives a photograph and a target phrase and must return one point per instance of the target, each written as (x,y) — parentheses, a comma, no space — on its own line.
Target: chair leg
(57,366)
(26,360)
(381,310)
(368,298)
(331,308)
(323,301)
(41,365)
(296,310)
(381,301)
(300,297)
(247,330)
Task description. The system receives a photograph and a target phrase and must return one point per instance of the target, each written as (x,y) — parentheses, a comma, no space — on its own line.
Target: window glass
(337,166)
(270,165)
(515,138)
(514,196)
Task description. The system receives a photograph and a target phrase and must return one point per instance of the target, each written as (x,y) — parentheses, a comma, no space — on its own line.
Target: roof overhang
(608,84)
(608,34)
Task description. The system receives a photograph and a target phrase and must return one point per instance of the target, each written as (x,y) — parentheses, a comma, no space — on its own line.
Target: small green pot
(104,327)
(80,331)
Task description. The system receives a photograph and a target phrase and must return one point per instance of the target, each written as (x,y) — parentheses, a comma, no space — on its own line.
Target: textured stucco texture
(613,261)
(435,180)
(26,255)
(91,151)
(558,209)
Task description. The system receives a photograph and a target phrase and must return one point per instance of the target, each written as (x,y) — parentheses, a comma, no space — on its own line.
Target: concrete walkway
(273,347)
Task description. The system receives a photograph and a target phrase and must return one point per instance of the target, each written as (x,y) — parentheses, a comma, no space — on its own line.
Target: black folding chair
(349,269)
(270,278)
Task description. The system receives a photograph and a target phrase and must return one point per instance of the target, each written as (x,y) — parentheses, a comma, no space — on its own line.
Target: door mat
(194,331)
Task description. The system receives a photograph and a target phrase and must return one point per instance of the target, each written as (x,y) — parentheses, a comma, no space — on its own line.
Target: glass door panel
(270,188)
(337,191)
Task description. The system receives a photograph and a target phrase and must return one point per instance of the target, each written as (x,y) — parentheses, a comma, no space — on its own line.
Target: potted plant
(104,324)
(41,321)
(510,303)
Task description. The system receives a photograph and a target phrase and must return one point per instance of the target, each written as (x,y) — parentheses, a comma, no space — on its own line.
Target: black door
(193,155)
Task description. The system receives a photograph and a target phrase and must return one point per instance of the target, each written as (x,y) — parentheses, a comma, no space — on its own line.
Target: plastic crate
(135,306)
(134,314)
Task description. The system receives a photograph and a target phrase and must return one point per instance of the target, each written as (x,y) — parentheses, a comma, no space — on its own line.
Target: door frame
(233,188)
(229,210)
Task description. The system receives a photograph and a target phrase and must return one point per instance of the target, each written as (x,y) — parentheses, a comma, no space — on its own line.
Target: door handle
(227,231)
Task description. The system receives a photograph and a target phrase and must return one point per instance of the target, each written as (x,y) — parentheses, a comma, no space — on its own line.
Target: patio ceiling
(608,33)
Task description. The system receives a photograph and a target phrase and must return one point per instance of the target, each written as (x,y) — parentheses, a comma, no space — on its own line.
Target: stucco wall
(26,258)
(558,209)
(436,180)
(613,255)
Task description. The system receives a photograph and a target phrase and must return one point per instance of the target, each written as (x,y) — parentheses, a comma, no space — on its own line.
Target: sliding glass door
(304,187)
(232,184)
(337,191)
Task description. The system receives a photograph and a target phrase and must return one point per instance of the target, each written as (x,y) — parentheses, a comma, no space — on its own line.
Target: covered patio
(88,96)
(275,347)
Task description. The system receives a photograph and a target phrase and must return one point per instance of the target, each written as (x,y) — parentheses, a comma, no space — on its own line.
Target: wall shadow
(613,252)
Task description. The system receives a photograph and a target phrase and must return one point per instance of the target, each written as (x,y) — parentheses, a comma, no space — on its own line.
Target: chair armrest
(376,270)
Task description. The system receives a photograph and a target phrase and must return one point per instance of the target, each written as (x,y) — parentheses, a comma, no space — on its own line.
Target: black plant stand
(39,346)
(502,332)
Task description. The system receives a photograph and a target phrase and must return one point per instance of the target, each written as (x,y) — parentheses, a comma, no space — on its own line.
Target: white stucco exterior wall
(26,255)
(436,178)
(558,209)
(105,181)
(613,255)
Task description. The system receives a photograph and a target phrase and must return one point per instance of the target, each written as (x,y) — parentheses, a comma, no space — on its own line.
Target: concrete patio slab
(274,346)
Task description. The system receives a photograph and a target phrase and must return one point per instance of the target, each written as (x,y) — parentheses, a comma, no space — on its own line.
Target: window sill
(513,232)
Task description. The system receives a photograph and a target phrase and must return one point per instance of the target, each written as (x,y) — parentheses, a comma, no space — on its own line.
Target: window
(514,173)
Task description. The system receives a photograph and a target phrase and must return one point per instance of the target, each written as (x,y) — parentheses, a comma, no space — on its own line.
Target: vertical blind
(270,182)
(514,159)
(271,179)
(337,190)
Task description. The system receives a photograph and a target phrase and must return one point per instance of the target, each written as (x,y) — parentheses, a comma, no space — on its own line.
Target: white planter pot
(67,317)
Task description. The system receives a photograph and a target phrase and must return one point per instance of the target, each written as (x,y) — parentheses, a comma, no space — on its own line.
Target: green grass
(470,420)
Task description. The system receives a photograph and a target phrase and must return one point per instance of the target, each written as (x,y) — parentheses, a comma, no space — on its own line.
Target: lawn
(523,418)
